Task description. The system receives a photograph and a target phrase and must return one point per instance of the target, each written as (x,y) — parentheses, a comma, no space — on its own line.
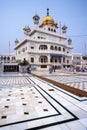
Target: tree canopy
(24,62)
(84,57)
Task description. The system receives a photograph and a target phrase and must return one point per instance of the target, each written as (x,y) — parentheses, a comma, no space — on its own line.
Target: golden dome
(47,20)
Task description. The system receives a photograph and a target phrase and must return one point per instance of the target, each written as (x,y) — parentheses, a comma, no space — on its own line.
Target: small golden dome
(64,27)
(69,40)
(27,29)
(16,41)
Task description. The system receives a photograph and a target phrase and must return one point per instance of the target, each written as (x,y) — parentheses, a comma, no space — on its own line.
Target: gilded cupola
(48,20)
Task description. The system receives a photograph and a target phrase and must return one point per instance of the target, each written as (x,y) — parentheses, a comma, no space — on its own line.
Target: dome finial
(47,11)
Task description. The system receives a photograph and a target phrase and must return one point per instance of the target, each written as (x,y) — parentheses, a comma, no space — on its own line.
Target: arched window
(8,58)
(63,49)
(43,59)
(59,48)
(48,29)
(54,30)
(55,47)
(51,60)
(63,59)
(55,60)
(4,57)
(43,47)
(51,29)
(13,58)
(59,60)
(1,57)
(67,61)
(51,48)
(32,59)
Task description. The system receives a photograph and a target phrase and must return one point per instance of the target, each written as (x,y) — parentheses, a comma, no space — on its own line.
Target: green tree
(24,62)
(84,57)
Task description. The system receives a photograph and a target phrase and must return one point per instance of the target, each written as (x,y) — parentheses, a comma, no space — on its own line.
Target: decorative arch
(43,59)
(43,47)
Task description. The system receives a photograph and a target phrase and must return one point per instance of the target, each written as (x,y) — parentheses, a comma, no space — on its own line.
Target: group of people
(51,69)
(29,69)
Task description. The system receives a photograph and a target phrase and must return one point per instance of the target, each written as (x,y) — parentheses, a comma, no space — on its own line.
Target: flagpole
(60,27)
(84,49)
(9,48)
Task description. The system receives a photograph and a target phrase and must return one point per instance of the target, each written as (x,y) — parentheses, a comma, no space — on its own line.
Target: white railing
(49,52)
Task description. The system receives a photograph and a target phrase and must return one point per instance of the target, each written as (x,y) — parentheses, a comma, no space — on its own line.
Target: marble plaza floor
(27,102)
(77,80)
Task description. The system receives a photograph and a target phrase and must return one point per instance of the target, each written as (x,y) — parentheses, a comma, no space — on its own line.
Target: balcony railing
(49,52)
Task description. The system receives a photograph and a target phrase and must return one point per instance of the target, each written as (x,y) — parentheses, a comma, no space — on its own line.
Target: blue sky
(15,14)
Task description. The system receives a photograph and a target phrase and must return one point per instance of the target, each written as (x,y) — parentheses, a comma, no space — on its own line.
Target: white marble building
(8,62)
(46,44)
(77,59)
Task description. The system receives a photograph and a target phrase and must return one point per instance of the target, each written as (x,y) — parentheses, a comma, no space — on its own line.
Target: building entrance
(11,68)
